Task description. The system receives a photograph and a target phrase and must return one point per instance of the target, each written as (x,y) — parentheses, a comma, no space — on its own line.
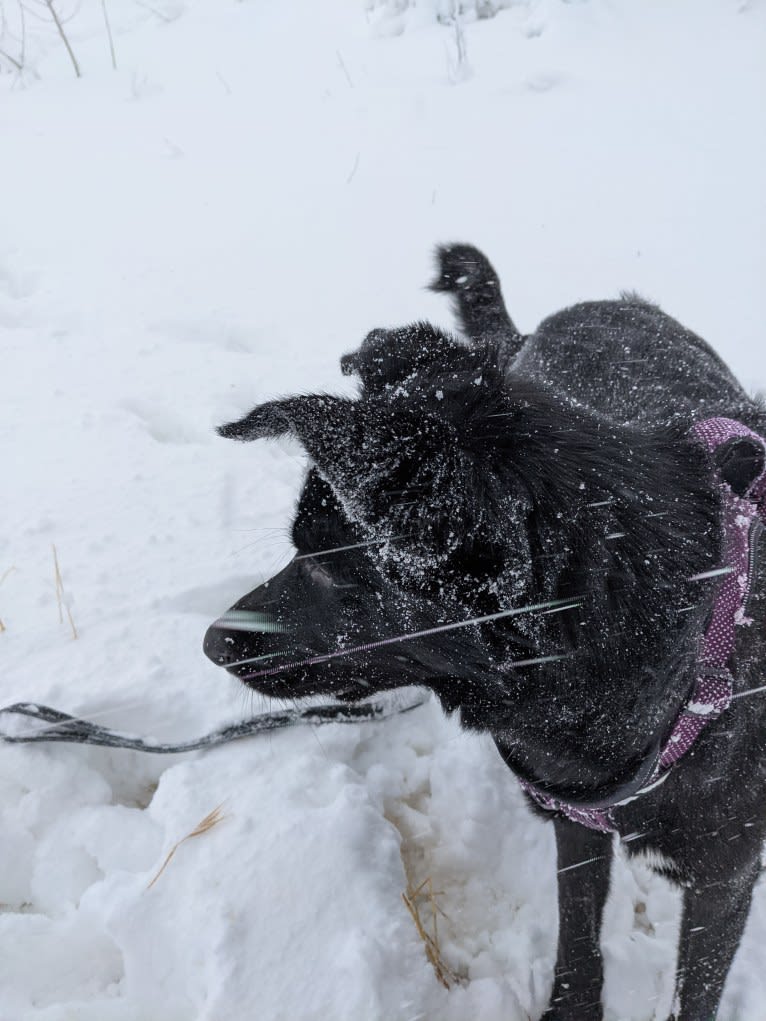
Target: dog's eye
(321,576)
(318,574)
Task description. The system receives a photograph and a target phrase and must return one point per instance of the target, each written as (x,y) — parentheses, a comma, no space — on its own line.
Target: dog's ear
(389,357)
(389,465)
(328,427)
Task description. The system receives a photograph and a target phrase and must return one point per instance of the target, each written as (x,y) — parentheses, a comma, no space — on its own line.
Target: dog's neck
(622,522)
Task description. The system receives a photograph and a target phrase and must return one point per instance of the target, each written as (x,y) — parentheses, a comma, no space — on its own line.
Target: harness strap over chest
(742,516)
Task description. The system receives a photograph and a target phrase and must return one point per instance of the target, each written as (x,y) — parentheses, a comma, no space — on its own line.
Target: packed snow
(212,223)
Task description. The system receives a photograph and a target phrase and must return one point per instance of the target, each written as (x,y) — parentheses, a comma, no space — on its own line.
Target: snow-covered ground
(257,185)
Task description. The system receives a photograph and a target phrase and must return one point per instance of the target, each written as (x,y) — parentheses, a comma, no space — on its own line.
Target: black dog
(526,526)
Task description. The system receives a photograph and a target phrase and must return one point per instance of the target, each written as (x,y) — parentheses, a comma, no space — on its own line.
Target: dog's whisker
(265,542)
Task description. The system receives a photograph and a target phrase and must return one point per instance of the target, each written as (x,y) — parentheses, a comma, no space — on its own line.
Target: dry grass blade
(430,939)
(211,819)
(59,583)
(61,601)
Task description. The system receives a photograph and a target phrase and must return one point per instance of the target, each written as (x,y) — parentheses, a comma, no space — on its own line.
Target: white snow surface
(256,186)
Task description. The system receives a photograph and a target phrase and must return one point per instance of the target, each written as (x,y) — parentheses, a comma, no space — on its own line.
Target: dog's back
(626,359)
(632,362)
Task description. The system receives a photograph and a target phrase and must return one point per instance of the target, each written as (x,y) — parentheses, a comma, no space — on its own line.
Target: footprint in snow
(16,285)
(544,81)
(163,425)
(225,336)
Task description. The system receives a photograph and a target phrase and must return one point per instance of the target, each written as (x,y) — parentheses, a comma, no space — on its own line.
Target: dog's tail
(466,274)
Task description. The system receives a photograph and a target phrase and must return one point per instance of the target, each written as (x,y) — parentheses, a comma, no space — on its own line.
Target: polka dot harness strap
(741,515)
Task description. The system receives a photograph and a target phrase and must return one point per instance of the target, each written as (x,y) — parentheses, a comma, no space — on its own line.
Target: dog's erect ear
(322,424)
(379,460)
(389,357)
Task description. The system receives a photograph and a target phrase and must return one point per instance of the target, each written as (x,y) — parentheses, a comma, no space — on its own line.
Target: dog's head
(413,517)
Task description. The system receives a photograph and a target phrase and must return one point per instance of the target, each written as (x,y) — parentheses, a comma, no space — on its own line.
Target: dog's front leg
(584,860)
(714,917)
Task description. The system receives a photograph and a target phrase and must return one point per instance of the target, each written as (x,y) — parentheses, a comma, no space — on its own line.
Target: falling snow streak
(342,549)
(711,574)
(248,620)
(366,647)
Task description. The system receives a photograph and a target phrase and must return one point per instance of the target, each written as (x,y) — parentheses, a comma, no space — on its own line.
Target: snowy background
(213,223)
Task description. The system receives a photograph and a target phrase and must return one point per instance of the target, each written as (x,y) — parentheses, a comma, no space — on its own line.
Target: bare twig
(458,68)
(344,69)
(109,34)
(354,169)
(23,22)
(62,33)
(11,60)
(6,33)
(211,819)
(61,594)
(157,13)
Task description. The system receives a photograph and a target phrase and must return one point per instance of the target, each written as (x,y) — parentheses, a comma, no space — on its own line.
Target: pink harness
(714,686)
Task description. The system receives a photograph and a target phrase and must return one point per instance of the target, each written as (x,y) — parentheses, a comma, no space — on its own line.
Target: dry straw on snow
(421,895)
(211,819)
(61,594)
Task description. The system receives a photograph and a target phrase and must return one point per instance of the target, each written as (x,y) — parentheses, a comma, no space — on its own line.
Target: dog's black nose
(241,637)
(219,646)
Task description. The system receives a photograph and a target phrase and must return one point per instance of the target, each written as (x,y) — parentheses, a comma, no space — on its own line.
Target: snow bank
(214,223)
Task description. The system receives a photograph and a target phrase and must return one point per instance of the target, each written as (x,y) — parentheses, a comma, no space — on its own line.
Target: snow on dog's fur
(542,493)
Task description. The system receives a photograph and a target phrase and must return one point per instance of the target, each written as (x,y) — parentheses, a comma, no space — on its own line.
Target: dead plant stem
(109,34)
(62,33)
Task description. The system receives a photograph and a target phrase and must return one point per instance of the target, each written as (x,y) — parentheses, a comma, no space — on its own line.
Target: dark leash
(74,730)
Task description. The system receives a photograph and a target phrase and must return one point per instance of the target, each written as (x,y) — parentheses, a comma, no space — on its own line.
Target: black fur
(470,478)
